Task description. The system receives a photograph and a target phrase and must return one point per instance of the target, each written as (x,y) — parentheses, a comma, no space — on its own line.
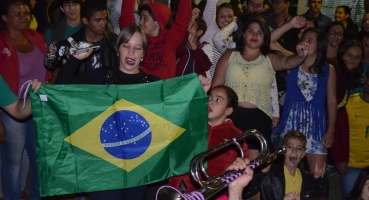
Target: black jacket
(58,52)
(100,76)
(272,185)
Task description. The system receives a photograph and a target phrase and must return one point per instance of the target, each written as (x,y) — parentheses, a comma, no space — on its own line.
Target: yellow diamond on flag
(125,135)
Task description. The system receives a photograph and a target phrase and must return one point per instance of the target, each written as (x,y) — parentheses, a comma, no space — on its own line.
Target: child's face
(217,108)
(194,28)
(148,24)
(195,33)
(295,152)
(225,17)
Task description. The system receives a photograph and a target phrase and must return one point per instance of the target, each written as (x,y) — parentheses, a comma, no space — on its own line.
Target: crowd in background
(276,73)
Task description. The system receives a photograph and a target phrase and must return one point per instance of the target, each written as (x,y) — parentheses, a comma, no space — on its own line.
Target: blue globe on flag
(125,134)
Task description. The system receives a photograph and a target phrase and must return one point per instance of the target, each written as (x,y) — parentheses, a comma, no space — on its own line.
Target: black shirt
(100,76)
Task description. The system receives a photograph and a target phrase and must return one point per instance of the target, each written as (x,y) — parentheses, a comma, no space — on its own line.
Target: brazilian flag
(106,137)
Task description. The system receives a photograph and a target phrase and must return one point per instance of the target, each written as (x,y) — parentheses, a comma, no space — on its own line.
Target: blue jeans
(23,172)
(348,180)
(11,154)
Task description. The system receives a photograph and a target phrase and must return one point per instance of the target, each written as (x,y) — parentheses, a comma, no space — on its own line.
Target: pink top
(31,67)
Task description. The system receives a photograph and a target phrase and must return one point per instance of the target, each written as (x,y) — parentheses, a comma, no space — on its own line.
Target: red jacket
(200,62)
(340,149)
(219,161)
(9,64)
(160,57)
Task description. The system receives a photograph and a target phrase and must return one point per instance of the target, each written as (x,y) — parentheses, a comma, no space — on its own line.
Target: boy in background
(285,178)
(67,25)
(190,54)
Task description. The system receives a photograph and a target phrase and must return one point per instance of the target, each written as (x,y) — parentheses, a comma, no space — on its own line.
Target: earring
(142,59)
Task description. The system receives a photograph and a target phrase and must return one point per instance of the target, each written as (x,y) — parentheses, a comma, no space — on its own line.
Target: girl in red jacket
(222,102)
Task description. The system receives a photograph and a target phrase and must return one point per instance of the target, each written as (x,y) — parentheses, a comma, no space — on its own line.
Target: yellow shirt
(293,183)
(251,80)
(33,23)
(358,115)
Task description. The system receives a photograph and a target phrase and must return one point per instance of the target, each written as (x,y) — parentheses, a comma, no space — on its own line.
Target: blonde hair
(127,33)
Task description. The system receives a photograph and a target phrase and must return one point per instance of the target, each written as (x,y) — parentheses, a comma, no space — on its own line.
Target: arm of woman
(275,103)
(220,71)
(277,47)
(296,22)
(281,62)
(17,109)
(209,12)
(332,108)
(220,39)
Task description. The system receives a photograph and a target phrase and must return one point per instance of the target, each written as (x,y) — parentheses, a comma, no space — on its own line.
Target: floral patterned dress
(304,107)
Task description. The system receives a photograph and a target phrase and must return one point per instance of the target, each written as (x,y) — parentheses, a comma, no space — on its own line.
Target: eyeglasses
(334,33)
(276,2)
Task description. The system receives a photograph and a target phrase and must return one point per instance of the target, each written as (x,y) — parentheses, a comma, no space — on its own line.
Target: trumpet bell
(170,193)
(213,185)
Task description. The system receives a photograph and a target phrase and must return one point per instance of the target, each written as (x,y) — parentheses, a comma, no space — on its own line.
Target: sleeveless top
(251,80)
(305,113)
(31,66)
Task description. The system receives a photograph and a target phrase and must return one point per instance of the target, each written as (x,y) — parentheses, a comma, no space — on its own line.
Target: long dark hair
(243,23)
(359,183)
(232,98)
(342,66)
(347,10)
(321,50)
(5,7)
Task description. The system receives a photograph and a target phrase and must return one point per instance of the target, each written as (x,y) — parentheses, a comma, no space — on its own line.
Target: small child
(191,54)
(222,102)
(285,178)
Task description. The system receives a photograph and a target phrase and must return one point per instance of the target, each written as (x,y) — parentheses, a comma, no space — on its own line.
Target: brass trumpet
(214,184)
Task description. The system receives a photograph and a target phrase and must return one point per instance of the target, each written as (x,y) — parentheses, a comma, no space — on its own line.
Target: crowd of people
(301,81)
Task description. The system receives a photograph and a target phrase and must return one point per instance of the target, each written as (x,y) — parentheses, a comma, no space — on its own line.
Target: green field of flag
(105,137)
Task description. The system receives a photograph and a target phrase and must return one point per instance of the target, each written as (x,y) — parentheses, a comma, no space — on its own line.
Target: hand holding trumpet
(235,188)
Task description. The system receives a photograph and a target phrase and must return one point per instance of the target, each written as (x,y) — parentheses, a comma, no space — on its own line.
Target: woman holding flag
(131,48)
